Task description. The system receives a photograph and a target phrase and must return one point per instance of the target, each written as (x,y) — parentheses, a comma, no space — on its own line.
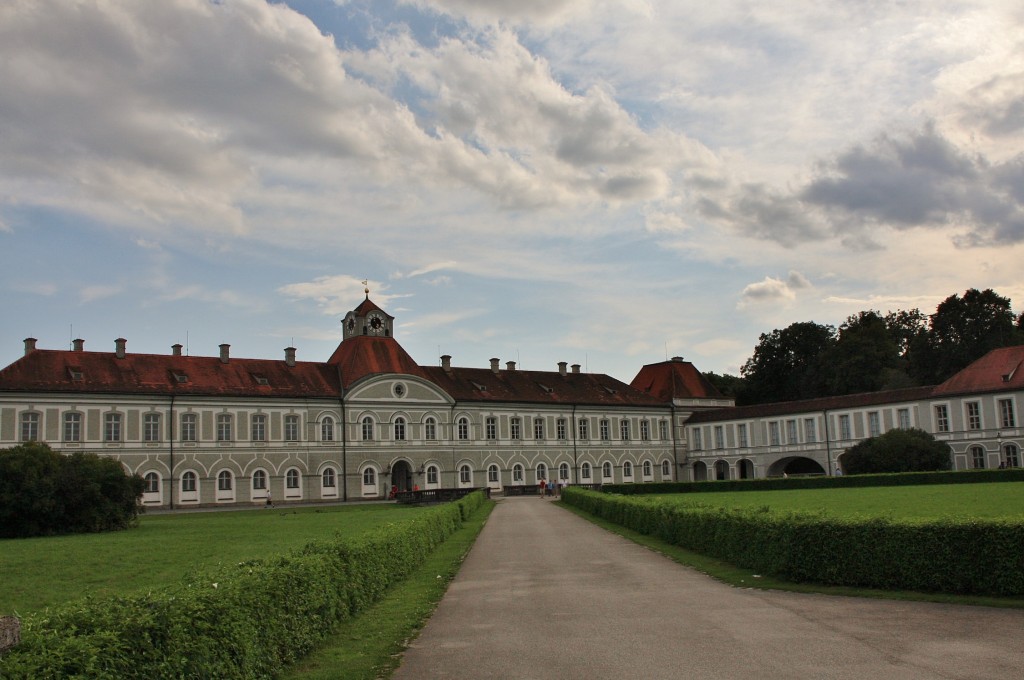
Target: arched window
(585,471)
(606,470)
(542,471)
(666,468)
(432,474)
(430,427)
(225,482)
(327,429)
(627,470)
(463,428)
(978,457)
(648,468)
(369,477)
(563,471)
(492,474)
(517,473)
(367,429)
(292,478)
(465,474)
(152,482)
(399,429)
(259,480)
(327,479)
(1012,454)
(188,481)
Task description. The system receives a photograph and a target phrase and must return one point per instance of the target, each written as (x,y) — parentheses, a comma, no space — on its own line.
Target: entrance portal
(401,475)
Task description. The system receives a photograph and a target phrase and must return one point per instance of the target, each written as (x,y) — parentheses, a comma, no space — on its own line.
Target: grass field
(44,572)
(983,501)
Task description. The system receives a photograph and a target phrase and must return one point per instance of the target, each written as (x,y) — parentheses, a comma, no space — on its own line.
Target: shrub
(43,492)
(246,620)
(910,450)
(949,555)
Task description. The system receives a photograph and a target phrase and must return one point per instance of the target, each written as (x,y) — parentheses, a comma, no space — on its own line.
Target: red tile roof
(367,306)
(999,370)
(364,355)
(780,408)
(105,373)
(674,379)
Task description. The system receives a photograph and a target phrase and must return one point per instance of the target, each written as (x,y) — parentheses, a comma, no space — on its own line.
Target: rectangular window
(624,429)
(1006,418)
(874,424)
(697,443)
(645,430)
(291,428)
(399,429)
(663,430)
(492,474)
(605,431)
(151,427)
(516,426)
(463,429)
(560,429)
(903,416)
(741,435)
(491,427)
(259,428)
(719,437)
(584,427)
(29,427)
(973,415)
(810,430)
(432,475)
(844,427)
(791,436)
(188,427)
(72,427)
(773,433)
(112,427)
(431,429)
(941,418)
(538,428)
(223,427)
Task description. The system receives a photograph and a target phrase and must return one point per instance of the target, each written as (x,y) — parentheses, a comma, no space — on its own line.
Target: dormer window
(611,391)
(479,387)
(179,377)
(260,380)
(75,374)
(546,389)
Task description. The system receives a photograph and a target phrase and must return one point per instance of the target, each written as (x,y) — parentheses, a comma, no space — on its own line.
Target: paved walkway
(545,594)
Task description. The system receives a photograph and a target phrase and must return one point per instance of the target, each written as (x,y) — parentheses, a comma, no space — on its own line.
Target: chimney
(224,353)
(446,362)
(677,359)
(119,347)
(575,368)
(494,364)
(561,367)
(176,349)
(289,356)
(30,346)
(510,365)
(78,344)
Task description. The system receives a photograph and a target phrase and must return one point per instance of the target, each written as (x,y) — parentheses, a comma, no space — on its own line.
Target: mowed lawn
(43,572)
(1003,500)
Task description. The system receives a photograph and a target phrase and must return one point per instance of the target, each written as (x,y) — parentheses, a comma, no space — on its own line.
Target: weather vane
(366,288)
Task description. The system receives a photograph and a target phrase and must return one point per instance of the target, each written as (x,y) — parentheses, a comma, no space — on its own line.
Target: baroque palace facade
(208,431)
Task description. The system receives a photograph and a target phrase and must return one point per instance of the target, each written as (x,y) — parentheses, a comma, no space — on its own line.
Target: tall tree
(865,356)
(787,364)
(962,330)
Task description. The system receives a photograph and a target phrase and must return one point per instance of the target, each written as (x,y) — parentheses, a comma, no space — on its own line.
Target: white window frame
(258,427)
(112,430)
(189,427)
(972,411)
(72,426)
(151,427)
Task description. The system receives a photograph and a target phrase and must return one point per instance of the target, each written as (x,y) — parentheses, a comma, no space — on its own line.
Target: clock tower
(368,319)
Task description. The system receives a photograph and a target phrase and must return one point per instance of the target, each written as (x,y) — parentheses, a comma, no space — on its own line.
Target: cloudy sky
(603,182)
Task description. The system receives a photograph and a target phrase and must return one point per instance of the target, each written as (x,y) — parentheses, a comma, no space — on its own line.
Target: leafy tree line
(43,492)
(871,351)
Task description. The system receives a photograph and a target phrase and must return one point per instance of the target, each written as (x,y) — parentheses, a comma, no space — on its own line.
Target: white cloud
(772,290)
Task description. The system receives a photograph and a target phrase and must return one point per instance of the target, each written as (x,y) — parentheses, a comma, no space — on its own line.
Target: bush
(43,492)
(910,450)
(246,620)
(963,556)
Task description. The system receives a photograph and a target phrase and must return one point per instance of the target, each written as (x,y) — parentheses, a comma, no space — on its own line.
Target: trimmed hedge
(246,620)
(822,482)
(965,556)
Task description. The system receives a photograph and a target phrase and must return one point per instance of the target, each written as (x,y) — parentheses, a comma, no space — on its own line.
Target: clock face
(351,323)
(376,324)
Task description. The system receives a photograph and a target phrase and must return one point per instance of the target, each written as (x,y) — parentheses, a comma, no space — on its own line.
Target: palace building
(222,430)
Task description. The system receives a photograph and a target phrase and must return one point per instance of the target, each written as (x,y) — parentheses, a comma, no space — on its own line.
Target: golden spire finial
(366,288)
